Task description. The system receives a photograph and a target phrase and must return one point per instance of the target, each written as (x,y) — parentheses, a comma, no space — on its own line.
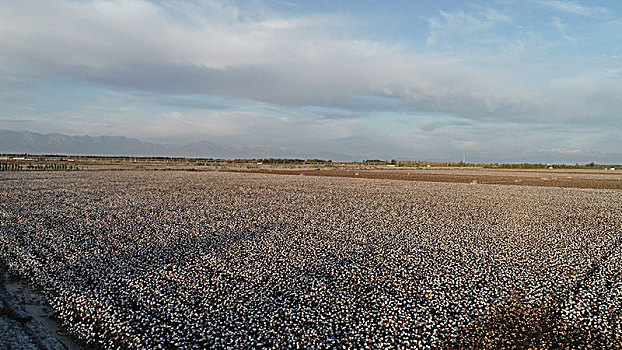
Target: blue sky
(498,80)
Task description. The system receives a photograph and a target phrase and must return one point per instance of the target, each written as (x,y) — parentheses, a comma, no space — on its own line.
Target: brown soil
(546,178)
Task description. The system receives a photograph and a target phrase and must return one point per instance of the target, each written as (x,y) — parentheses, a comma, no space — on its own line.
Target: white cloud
(138,44)
(574,7)
(218,49)
(564,151)
(561,27)
(463,25)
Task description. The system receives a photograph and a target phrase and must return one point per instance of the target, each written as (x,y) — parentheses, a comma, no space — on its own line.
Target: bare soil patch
(545,178)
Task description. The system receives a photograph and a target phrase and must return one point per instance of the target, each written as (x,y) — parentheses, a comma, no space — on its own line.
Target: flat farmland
(148,260)
(566,178)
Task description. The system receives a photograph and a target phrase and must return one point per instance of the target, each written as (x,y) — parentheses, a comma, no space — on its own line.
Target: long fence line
(36,167)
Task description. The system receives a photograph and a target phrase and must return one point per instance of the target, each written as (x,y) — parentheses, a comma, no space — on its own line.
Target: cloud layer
(251,70)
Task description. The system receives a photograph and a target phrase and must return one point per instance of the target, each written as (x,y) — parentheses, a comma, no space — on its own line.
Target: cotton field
(193,260)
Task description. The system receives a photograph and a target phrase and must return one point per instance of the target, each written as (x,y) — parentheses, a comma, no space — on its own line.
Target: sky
(493,81)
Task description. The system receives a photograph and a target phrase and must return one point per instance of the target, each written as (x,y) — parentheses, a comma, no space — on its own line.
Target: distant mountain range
(55,143)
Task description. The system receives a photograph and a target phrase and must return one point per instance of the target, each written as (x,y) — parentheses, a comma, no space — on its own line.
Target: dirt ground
(26,321)
(598,179)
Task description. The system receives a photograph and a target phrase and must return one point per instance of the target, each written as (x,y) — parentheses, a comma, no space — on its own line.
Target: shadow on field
(514,324)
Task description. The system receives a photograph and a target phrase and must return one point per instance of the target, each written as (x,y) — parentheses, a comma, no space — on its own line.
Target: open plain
(176,259)
(565,178)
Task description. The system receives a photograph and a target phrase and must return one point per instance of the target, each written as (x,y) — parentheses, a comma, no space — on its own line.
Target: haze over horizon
(533,81)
